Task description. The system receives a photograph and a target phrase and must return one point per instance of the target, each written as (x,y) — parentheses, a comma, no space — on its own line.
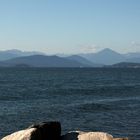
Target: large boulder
(41,131)
(52,131)
(89,136)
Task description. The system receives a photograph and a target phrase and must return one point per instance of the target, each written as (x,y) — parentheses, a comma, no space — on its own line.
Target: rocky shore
(52,131)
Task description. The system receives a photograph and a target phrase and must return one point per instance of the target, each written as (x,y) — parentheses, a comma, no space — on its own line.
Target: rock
(77,135)
(95,136)
(42,131)
(71,135)
(87,136)
(52,131)
(121,139)
(48,130)
(28,134)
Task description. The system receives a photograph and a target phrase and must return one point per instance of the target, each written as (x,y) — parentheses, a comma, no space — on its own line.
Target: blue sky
(70,26)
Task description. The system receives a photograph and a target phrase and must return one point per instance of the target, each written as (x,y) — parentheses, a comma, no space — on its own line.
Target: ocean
(86,99)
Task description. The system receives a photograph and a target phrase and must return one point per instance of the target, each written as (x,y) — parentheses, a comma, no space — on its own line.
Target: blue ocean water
(81,99)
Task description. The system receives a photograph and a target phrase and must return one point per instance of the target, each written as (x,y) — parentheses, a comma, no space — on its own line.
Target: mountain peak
(106,56)
(107,50)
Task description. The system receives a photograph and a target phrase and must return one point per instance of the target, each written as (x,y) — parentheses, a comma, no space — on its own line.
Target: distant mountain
(83,61)
(134,60)
(23,53)
(3,64)
(42,61)
(9,54)
(106,56)
(63,55)
(132,55)
(126,65)
(99,59)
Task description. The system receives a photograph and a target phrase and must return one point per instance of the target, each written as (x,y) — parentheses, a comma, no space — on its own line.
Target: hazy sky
(70,26)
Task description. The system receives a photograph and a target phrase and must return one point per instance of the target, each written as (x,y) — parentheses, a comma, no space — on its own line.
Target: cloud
(135,44)
(89,48)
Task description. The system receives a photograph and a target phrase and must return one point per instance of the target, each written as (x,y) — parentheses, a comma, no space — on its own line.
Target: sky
(70,26)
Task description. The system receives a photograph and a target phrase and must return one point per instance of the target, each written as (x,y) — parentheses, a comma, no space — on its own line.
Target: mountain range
(105,57)
(126,65)
(42,61)
(9,54)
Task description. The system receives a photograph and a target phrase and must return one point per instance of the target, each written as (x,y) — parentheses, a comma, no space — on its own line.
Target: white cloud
(89,48)
(135,44)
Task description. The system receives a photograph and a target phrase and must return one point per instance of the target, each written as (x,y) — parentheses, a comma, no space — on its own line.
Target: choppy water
(85,99)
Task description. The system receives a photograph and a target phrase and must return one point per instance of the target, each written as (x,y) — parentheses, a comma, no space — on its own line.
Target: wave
(107,104)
